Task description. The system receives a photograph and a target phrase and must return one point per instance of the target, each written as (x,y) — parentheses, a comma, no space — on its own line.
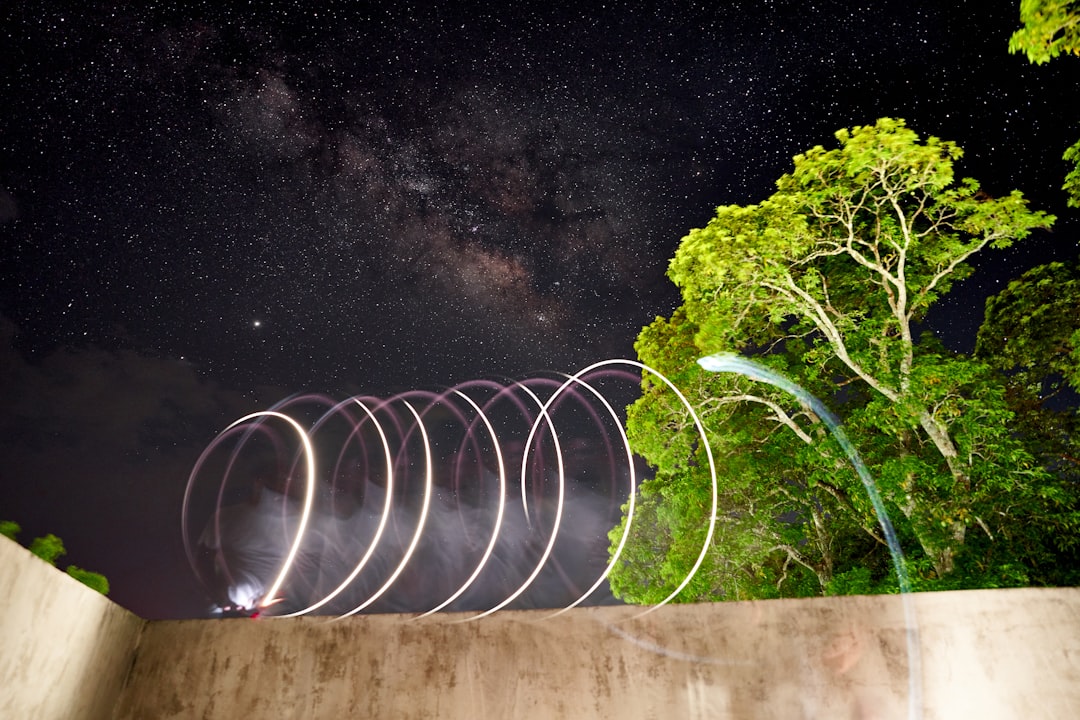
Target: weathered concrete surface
(985,654)
(66,648)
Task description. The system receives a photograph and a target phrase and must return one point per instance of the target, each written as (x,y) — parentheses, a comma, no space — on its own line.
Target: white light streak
(498,516)
(309,498)
(382,520)
(419,525)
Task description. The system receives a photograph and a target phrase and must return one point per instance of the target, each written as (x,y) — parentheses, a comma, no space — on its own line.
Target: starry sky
(207,206)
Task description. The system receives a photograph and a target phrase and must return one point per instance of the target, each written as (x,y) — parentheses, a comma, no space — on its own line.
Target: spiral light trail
(451,509)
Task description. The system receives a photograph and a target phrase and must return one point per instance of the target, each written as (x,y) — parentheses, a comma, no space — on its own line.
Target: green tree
(1031,333)
(48,547)
(1051,27)
(1072,179)
(827,280)
(9,529)
(93,580)
(754,552)
(1031,329)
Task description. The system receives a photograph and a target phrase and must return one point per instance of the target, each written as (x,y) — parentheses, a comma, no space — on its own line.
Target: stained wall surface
(981,654)
(986,654)
(66,649)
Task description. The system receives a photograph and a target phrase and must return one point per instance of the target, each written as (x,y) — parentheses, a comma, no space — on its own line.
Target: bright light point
(256,323)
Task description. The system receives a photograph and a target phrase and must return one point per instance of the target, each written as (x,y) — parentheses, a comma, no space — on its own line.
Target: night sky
(208,206)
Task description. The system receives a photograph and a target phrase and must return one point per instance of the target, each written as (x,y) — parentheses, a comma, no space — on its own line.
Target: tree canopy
(827,280)
(1051,27)
(1031,333)
(9,529)
(1032,329)
(50,548)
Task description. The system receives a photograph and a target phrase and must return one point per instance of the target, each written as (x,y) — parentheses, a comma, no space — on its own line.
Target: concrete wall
(66,652)
(64,649)
(984,654)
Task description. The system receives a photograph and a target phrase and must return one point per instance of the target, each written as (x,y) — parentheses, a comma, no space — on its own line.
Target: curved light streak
(712,476)
(558,512)
(728,362)
(188,490)
(498,517)
(184,520)
(309,499)
(420,523)
(633,490)
(378,532)
(716,363)
(528,445)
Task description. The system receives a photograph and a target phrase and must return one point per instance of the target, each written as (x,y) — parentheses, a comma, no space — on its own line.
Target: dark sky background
(207,206)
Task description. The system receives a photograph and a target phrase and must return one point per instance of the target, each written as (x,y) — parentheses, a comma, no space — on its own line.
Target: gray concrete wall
(64,649)
(984,654)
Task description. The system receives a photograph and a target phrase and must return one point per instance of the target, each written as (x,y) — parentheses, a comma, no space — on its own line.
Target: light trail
(528,444)
(419,526)
(712,477)
(727,362)
(558,511)
(269,598)
(542,418)
(498,517)
(537,414)
(632,495)
(378,532)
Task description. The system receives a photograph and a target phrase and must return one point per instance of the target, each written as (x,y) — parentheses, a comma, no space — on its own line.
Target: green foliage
(49,548)
(824,281)
(856,581)
(1031,334)
(1072,179)
(10,529)
(93,580)
(1030,329)
(1051,27)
